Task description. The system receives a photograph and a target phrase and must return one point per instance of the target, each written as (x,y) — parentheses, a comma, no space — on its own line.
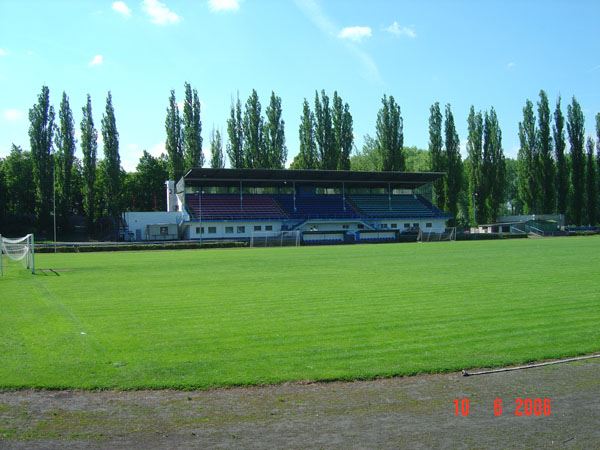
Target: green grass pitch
(203,318)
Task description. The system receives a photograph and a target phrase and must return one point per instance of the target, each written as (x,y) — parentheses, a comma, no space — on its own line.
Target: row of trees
(543,179)
(550,180)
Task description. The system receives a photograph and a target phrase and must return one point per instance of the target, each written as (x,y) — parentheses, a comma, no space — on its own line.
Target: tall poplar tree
(495,173)
(89,146)
(112,161)
(308,157)
(475,150)
(454,165)
(546,162)
(65,144)
(591,186)
(173,143)
(274,134)
(343,137)
(562,170)
(598,163)
(576,132)
(529,180)
(192,130)
(324,133)
(438,163)
(217,161)
(253,126)
(41,134)
(235,133)
(390,135)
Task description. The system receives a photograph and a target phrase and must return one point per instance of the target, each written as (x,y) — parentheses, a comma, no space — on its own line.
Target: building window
(394,225)
(212,230)
(428,225)
(229,230)
(164,230)
(241,229)
(345,227)
(361,226)
(197,230)
(407,225)
(415,225)
(384,225)
(257,228)
(268,227)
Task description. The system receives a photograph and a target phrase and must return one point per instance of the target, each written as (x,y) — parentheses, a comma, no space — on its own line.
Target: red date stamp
(521,407)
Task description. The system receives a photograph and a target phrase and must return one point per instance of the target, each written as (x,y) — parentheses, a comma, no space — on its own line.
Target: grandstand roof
(409,180)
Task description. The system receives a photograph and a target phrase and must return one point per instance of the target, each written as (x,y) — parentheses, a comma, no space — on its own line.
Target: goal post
(19,249)
(449,234)
(277,239)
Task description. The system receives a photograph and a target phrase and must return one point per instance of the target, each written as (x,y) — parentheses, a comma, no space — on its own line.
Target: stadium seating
(314,206)
(229,206)
(406,205)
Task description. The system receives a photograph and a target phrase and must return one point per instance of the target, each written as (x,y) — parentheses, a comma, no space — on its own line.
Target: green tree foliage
(529,174)
(512,187)
(89,148)
(149,181)
(477,194)
(324,133)
(78,188)
(217,160)
(41,134)
(562,169)
(307,157)
(453,185)
(591,184)
(173,144)
(416,159)
(3,194)
(576,132)
(369,158)
(494,168)
(390,135)
(438,162)
(112,160)
(64,157)
(18,170)
(253,127)
(343,137)
(598,163)
(274,135)
(546,163)
(192,130)
(235,132)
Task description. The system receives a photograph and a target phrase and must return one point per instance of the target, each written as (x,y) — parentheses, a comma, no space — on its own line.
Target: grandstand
(323,206)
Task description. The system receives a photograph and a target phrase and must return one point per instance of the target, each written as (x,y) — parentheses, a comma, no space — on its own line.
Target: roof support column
(241,195)
(344,195)
(390,196)
(294,187)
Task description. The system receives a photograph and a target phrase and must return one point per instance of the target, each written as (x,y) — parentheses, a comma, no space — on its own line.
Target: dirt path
(414,412)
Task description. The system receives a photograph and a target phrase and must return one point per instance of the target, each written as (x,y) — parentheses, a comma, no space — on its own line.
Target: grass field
(203,318)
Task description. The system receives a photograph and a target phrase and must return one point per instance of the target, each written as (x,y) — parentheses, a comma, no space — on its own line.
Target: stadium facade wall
(152,225)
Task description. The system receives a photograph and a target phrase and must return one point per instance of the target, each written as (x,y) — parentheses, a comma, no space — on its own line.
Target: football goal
(449,234)
(281,239)
(20,249)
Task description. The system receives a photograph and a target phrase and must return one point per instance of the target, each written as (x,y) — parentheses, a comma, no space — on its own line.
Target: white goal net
(20,249)
(449,234)
(281,239)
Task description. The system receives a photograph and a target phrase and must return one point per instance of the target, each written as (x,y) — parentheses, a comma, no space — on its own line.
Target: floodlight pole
(54,200)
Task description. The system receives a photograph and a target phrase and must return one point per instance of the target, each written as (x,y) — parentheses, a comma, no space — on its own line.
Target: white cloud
(121,8)
(12,115)
(511,65)
(315,14)
(397,30)
(96,60)
(223,5)
(3,52)
(355,34)
(157,149)
(159,13)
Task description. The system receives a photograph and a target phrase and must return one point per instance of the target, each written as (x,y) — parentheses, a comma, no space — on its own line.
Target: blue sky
(492,53)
